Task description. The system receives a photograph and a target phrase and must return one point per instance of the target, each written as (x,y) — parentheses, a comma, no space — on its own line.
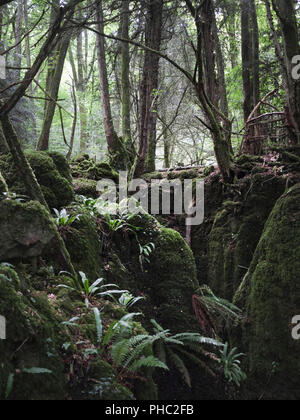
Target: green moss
(214,196)
(152,175)
(272,299)
(33,337)
(86,187)
(189,174)
(168,281)
(26,229)
(9,274)
(208,170)
(237,229)
(57,189)
(89,169)
(245,159)
(83,244)
(3,185)
(62,165)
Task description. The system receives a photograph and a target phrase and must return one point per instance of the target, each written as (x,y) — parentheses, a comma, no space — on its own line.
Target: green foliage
(212,311)
(82,285)
(65,219)
(230,363)
(145,252)
(128,300)
(176,349)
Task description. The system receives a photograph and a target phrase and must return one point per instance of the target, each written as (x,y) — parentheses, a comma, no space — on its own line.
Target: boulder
(26,229)
(270,296)
(51,173)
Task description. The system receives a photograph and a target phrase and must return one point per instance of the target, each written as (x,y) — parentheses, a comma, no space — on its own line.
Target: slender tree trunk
(247,49)
(285,10)
(148,89)
(81,88)
(73,95)
(116,149)
(18,37)
(43,142)
(207,94)
(125,82)
(250,55)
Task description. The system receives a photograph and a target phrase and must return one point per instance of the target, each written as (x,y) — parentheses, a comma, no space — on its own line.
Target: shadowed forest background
(102,306)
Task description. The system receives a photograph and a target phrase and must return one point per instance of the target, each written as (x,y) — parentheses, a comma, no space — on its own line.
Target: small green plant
(230,363)
(13,196)
(145,252)
(121,223)
(82,285)
(169,349)
(65,219)
(89,204)
(128,300)
(212,312)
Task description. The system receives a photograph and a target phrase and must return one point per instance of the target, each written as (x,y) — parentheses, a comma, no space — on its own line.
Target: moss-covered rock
(86,187)
(26,229)
(168,281)
(62,165)
(33,337)
(83,244)
(89,169)
(214,196)
(57,189)
(271,297)
(240,231)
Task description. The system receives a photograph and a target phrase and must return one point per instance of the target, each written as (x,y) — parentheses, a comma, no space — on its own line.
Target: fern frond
(198,362)
(180,366)
(149,362)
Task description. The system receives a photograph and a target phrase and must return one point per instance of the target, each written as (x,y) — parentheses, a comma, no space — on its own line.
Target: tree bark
(125,82)
(148,89)
(43,142)
(285,11)
(115,147)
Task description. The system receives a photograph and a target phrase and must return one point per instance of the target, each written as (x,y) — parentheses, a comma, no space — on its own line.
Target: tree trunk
(207,95)
(43,142)
(116,149)
(148,89)
(285,11)
(250,56)
(18,37)
(125,82)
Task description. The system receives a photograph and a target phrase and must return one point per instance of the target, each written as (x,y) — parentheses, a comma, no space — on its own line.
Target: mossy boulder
(33,337)
(270,294)
(26,229)
(168,281)
(89,169)
(62,165)
(86,187)
(214,196)
(57,189)
(237,231)
(83,244)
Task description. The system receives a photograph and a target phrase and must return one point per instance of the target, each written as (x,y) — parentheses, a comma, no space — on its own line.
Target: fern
(179,364)
(149,362)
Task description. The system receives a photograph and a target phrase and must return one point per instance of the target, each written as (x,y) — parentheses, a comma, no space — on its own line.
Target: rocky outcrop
(270,297)
(26,229)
